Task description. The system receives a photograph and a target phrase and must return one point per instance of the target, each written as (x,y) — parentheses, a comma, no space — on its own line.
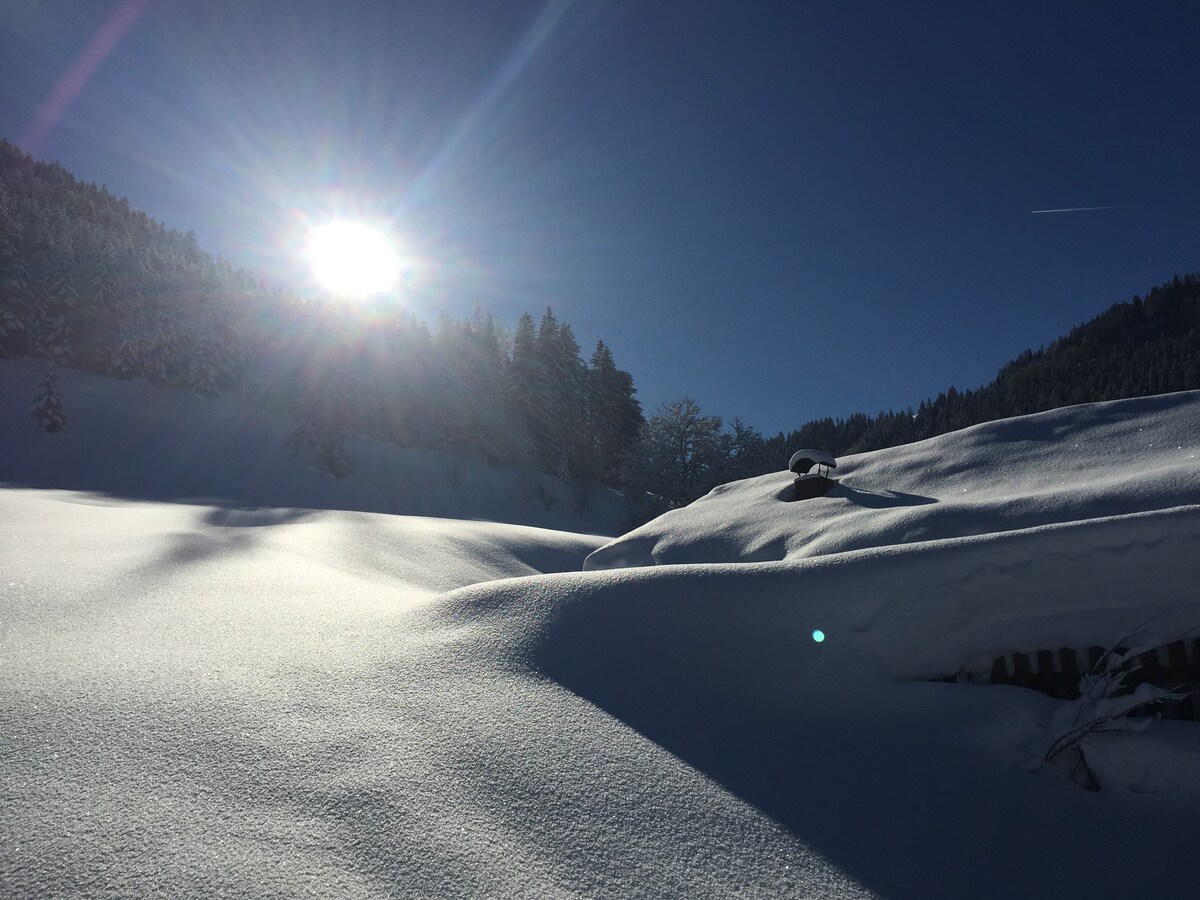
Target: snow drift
(201,699)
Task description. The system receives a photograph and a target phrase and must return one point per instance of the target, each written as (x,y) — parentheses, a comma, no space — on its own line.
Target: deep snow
(201,699)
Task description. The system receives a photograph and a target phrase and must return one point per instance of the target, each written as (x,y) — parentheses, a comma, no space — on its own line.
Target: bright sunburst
(352,259)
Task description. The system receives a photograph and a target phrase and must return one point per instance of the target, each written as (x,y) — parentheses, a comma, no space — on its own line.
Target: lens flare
(818,635)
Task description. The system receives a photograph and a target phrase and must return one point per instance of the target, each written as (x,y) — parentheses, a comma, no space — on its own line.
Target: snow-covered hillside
(205,699)
(1069,465)
(129,439)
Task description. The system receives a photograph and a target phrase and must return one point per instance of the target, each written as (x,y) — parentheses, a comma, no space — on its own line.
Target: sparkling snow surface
(204,700)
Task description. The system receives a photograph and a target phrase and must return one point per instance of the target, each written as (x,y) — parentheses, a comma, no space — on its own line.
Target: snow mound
(1069,465)
(912,788)
(200,701)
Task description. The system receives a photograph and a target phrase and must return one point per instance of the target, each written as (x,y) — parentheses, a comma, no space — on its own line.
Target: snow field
(129,439)
(244,703)
(201,699)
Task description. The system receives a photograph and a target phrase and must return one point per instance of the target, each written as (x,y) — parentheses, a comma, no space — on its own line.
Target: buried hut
(808,483)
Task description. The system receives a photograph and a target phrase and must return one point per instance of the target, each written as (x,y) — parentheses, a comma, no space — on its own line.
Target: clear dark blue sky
(786,210)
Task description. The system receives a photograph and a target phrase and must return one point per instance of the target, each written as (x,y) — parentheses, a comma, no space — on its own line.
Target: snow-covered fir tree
(614,414)
(14,278)
(322,419)
(526,378)
(47,408)
(214,346)
(126,357)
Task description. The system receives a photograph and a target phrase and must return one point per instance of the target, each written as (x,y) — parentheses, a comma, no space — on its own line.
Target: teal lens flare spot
(818,635)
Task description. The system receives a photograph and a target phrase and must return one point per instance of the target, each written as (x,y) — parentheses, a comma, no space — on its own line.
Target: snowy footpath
(203,699)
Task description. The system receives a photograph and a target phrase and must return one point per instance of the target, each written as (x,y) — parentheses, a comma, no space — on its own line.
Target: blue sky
(786,210)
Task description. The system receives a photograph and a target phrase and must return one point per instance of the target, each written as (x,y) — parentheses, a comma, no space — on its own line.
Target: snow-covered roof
(803,460)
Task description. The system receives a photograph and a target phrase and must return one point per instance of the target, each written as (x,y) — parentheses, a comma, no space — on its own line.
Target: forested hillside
(86,281)
(1144,346)
(1141,347)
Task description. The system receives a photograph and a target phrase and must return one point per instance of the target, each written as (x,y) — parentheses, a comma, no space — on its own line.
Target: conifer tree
(321,423)
(569,387)
(209,360)
(500,436)
(99,315)
(614,415)
(55,299)
(526,377)
(451,393)
(547,395)
(126,357)
(161,341)
(47,408)
(14,280)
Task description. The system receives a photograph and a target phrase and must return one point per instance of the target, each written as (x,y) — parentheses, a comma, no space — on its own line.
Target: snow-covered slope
(201,700)
(1068,465)
(129,439)
(201,703)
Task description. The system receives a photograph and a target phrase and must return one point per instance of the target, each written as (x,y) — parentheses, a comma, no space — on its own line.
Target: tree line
(1144,346)
(88,282)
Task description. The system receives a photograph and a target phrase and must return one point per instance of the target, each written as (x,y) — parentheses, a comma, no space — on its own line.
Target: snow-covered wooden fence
(1057,673)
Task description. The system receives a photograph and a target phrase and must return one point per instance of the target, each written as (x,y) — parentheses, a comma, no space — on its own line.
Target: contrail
(1035,212)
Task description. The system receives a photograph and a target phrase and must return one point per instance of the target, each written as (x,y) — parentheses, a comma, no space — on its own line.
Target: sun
(352,259)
